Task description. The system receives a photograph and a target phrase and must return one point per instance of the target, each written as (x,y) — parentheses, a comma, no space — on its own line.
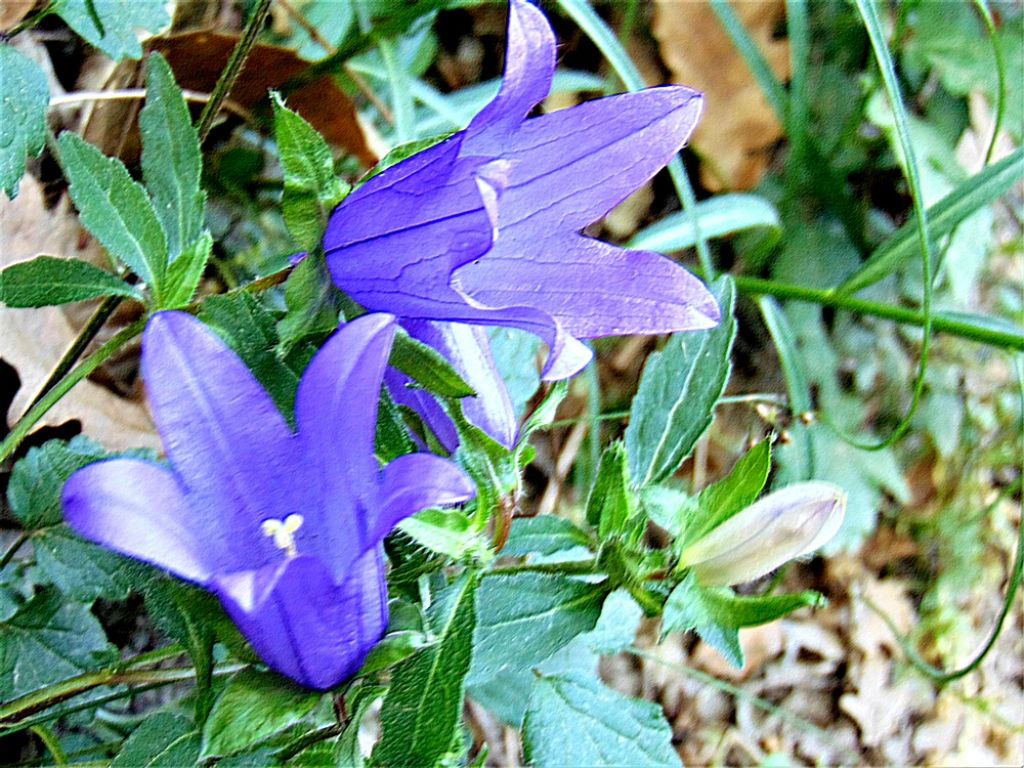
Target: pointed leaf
(110,24)
(423,708)
(737,490)
(171,160)
(678,391)
(610,506)
(185,272)
(25,95)
(427,367)
(544,534)
(47,280)
(115,208)
(163,740)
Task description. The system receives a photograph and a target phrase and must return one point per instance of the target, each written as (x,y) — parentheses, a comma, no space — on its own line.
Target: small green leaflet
(717,613)
(445,531)
(311,188)
(171,160)
(733,493)
(678,391)
(49,639)
(253,707)
(610,506)
(523,619)
(47,280)
(185,272)
(25,95)
(313,305)
(115,208)
(423,708)
(163,740)
(110,24)
(427,367)
(573,720)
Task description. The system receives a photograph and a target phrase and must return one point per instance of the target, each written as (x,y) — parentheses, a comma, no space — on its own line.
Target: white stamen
(283,532)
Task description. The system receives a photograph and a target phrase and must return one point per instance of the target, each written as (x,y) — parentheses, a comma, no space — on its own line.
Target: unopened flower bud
(782,526)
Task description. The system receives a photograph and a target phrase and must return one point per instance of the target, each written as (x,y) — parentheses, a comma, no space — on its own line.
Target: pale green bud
(784,525)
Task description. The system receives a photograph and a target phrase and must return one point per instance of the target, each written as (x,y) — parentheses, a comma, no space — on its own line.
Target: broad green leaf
(610,506)
(110,24)
(185,272)
(717,613)
(47,280)
(903,246)
(423,707)
(49,639)
(678,391)
(427,367)
(617,625)
(311,188)
(171,161)
(524,618)
(575,721)
(445,531)
(25,95)
(163,740)
(253,707)
(38,479)
(115,208)
(718,216)
(81,570)
(544,535)
(733,493)
(394,648)
(668,507)
(313,305)
(249,330)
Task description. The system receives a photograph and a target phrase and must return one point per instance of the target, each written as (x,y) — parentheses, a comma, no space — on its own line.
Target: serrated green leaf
(610,505)
(48,640)
(185,272)
(114,208)
(445,531)
(392,438)
(668,507)
(427,367)
(544,535)
(733,493)
(717,613)
(47,281)
(574,720)
(311,188)
(524,618)
(313,305)
(678,391)
(25,95)
(617,625)
(249,330)
(171,160)
(253,707)
(423,708)
(110,24)
(38,479)
(81,570)
(163,740)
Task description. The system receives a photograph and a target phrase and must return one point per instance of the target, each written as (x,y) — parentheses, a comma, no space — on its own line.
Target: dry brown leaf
(13,11)
(35,339)
(738,128)
(882,708)
(198,58)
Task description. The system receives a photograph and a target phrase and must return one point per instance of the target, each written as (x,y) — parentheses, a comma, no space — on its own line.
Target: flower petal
(336,411)
(591,288)
(226,439)
(137,508)
(569,168)
(529,68)
(415,482)
(302,623)
(469,351)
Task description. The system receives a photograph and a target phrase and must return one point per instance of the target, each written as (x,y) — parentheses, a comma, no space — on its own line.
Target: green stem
(12,550)
(86,335)
(567,568)
(1000,61)
(975,331)
(226,81)
(52,743)
(81,371)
